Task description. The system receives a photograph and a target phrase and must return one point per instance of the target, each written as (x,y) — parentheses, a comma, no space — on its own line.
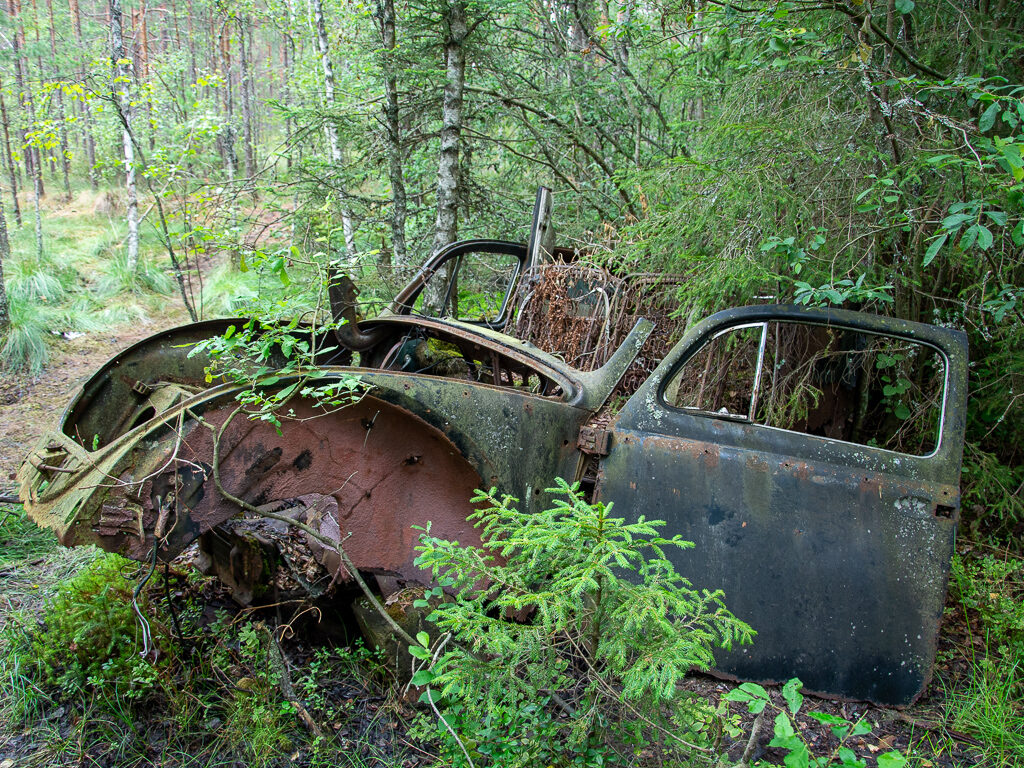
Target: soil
(30,406)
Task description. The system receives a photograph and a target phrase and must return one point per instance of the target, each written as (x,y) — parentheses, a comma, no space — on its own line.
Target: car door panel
(836,553)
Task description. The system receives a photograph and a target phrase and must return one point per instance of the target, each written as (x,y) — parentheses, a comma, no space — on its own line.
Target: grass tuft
(991,709)
(24,342)
(116,277)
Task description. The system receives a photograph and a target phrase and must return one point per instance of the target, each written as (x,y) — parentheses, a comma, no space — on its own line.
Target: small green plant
(258,720)
(91,639)
(568,635)
(789,737)
(994,588)
(259,355)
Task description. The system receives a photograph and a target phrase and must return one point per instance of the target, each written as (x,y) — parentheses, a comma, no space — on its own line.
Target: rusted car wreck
(812,455)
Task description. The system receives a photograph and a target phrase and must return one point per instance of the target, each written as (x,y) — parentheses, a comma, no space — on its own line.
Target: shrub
(569,632)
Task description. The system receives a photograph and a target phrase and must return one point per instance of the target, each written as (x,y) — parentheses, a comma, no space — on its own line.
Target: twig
(755,732)
(284,682)
(430,701)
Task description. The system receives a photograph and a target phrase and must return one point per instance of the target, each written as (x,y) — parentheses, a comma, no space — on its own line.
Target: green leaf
(826,718)
(904,6)
(891,760)
(933,249)
(957,220)
(984,237)
(791,693)
(423,639)
(754,690)
(901,412)
(997,217)
(988,117)
(287,391)
(423,677)
(861,728)
(419,652)
(783,726)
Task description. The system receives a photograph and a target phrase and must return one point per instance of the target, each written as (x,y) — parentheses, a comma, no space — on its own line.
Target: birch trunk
(61,117)
(122,96)
(33,157)
(330,129)
(247,105)
(446,224)
(288,55)
(228,135)
(392,134)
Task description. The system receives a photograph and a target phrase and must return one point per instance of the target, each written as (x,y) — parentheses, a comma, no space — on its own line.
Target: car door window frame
(749,419)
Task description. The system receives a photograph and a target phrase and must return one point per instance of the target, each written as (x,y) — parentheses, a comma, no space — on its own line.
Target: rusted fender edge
(155,483)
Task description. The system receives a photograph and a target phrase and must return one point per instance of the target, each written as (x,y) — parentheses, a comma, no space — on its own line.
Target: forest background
(863,154)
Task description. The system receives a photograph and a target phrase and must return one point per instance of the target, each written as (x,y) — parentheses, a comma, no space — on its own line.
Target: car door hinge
(596,442)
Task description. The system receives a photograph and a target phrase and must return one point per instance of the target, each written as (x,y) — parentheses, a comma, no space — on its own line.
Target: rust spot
(304,460)
(711,456)
(265,462)
(870,486)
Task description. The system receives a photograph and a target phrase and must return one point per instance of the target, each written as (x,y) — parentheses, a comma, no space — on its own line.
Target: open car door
(813,456)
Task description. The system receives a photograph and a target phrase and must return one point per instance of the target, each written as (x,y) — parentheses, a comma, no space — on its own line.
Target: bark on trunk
(446,224)
(392,131)
(228,135)
(246,95)
(33,157)
(12,170)
(288,56)
(5,252)
(330,129)
(61,118)
(122,95)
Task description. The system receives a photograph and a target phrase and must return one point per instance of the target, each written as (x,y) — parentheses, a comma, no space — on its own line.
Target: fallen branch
(284,678)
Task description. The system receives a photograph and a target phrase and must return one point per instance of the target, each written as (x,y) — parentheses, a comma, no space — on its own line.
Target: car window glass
(843,384)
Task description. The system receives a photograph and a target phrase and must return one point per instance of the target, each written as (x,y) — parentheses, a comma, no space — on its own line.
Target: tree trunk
(33,157)
(65,161)
(87,135)
(5,253)
(392,135)
(228,135)
(122,96)
(330,129)
(12,171)
(288,60)
(247,105)
(446,224)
